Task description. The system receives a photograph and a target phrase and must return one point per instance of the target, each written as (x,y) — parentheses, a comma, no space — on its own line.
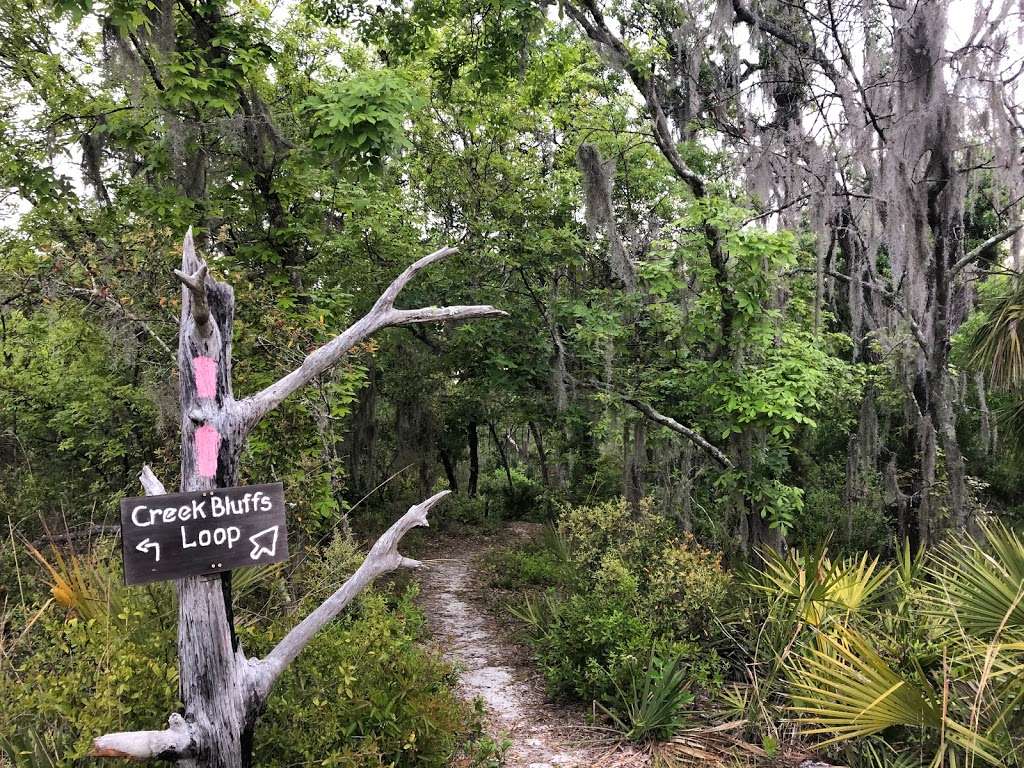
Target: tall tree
(877,151)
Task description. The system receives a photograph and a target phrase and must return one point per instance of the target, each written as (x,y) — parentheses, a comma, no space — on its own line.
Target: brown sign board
(189,534)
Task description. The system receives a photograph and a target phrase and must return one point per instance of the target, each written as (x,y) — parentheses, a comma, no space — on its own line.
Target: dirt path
(492,668)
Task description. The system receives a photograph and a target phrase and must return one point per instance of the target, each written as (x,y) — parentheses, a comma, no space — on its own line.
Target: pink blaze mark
(207,445)
(205,369)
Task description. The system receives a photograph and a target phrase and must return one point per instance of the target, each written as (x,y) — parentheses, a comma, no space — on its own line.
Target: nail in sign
(188,534)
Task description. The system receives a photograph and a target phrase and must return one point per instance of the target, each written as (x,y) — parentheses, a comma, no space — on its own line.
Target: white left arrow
(145,545)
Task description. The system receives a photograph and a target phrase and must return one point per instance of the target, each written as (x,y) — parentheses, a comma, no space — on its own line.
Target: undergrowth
(91,656)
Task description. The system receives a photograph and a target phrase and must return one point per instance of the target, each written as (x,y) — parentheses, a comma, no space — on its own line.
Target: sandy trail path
(492,667)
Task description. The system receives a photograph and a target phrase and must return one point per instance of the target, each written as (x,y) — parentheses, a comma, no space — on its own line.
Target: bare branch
(383,314)
(986,247)
(196,284)
(657,417)
(690,434)
(812,52)
(387,299)
(432,314)
(382,558)
(171,744)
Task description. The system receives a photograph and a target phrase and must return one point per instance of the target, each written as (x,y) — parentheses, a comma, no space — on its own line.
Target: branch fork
(382,558)
(381,315)
(195,283)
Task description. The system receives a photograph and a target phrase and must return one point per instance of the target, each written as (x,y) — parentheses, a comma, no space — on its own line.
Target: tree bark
(985,430)
(502,454)
(634,461)
(449,468)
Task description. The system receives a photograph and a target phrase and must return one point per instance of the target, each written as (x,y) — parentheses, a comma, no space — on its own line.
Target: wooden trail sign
(189,534)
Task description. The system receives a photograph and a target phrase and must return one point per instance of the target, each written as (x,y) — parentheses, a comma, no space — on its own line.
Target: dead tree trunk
(223,692)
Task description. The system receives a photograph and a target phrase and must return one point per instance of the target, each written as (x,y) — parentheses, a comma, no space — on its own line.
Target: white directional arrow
(145,545)
(259,546)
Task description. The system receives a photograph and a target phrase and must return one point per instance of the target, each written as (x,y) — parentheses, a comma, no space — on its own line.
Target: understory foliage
(875,661)
(99,657)
(618,611)
(921,657)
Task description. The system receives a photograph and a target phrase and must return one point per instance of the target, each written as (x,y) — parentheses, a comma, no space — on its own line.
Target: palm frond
(998,344)
(651,703)
(844,688)
(81,583)
(979,588)
(820,587)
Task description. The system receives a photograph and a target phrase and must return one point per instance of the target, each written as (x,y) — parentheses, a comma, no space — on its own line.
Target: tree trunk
(474,457)
(501,453)
(986,433)
(362,444)
(542,457)
(449,468)
(218,701)
(685,514)
(634,460)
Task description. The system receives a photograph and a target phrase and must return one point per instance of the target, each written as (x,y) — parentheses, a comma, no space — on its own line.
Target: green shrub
(651,704)
(372,695)
(588,646)
(73,679)
(584,640)
(461,510)
(523,499)
(637,555)
(531,567)
(375,696)
(685,589)
(592,532)
(634,596)
(323,571)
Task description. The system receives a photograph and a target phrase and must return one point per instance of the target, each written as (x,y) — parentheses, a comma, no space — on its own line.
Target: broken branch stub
(195,283)
(172,743)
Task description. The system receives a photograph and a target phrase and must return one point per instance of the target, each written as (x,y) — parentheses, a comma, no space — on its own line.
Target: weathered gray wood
(222,691)
(382,558)
(175,740)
